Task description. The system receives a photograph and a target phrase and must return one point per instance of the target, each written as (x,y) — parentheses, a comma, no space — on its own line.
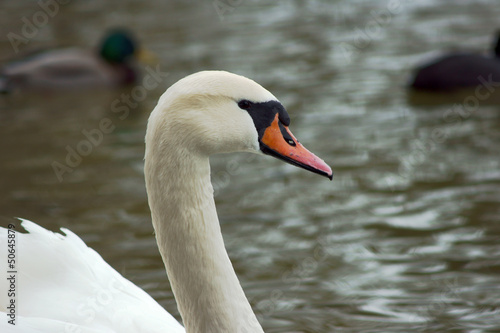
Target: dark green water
(405,239)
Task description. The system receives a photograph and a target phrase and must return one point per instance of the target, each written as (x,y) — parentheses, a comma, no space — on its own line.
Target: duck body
(65,69)
(203,114)
(457,71)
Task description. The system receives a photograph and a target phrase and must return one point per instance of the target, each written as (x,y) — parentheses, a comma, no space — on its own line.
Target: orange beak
(279,142)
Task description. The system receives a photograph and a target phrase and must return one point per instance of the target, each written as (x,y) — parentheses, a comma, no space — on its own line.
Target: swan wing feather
(62,285)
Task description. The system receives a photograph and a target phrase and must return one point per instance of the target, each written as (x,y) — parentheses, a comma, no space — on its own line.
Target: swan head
(213,112)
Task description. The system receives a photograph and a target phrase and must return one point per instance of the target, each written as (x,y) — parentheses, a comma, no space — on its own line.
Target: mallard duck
(459,70)
(112,64)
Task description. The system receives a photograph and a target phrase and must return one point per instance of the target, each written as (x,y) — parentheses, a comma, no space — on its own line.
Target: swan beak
(279,142)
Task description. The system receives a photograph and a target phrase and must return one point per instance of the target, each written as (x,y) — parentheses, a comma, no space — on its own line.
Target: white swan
(64,286)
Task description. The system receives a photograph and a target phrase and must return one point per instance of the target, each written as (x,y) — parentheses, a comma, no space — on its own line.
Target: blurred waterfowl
(112,64)
(459,70)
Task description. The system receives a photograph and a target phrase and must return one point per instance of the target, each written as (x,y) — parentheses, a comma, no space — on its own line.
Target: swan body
(459,70)
(111,65)
(65,286)
(203,114)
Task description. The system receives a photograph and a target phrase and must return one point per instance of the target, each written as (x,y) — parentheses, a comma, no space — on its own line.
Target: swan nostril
(286,136)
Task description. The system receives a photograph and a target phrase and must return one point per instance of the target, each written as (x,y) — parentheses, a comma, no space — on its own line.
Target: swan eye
(244,104)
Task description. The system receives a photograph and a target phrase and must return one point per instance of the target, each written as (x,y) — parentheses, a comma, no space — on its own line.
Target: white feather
(65,286)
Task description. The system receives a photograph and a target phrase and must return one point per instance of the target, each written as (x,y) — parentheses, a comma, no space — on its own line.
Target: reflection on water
(405,238)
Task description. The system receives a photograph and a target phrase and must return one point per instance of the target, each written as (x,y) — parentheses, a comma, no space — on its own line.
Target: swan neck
(208,293)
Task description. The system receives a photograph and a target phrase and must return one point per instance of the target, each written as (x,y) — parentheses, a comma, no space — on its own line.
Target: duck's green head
(117,46)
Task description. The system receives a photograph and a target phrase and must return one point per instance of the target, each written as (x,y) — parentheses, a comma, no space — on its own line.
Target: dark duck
(459,70)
